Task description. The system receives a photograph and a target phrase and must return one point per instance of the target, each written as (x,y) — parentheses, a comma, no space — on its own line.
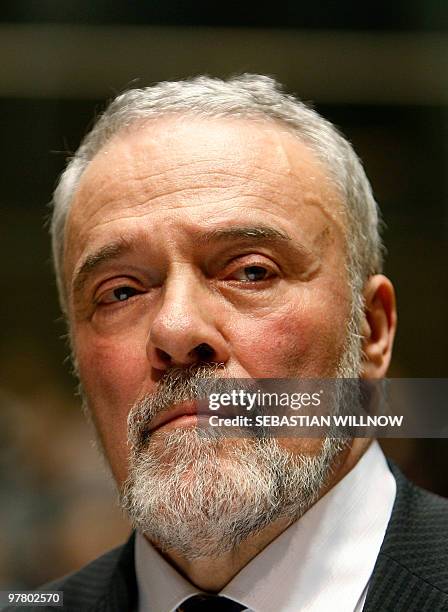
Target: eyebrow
(259,234)
(107,253)
(254,233)
(114,250)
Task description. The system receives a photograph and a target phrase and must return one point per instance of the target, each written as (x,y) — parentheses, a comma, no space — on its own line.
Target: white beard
(203,497)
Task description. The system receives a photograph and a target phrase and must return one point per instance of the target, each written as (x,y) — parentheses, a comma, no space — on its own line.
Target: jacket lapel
(121,592)
(411,570)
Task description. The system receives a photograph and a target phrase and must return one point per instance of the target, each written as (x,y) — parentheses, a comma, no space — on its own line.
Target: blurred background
(377,70)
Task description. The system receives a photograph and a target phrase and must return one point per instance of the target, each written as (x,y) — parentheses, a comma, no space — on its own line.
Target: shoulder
(83,588)
(419,522)
(107,583)
(411,572)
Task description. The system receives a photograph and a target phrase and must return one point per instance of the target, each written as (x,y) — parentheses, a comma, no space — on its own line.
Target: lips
(185,409)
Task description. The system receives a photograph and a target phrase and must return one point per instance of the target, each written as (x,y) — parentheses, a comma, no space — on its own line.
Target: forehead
(198,167)
(174,140)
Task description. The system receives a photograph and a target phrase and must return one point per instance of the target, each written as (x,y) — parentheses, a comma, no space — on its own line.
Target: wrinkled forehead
(153,159)
(175,138)
(183,143)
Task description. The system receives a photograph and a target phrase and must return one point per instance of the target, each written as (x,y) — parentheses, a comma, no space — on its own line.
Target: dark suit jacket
(410,575)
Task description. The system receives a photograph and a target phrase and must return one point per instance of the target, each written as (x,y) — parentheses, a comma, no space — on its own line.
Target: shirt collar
(326,556)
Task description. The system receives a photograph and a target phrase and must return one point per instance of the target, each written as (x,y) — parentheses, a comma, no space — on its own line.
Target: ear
(379,325)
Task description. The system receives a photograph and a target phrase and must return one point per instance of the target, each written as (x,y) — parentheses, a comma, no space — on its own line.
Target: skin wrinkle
(172,208)
(303,278)
(336,211)
(102,225)
(280,148)
(247,237)
(155,199)
(277,128)
(108,186)
(210,175)
(262,312)
(308,201)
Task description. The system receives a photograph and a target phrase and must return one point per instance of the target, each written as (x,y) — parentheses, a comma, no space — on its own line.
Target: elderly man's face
(192,240)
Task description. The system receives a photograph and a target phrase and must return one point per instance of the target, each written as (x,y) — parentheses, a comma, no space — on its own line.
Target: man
(222,229)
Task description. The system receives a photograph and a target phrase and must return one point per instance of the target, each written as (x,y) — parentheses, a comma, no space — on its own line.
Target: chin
(202,497)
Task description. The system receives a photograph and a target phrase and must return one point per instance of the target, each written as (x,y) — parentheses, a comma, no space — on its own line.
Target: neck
(213,573)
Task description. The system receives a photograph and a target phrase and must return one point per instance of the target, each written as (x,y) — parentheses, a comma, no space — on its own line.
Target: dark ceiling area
(349,14)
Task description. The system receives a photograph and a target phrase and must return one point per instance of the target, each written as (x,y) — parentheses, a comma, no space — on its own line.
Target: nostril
(204,352)
(163,356)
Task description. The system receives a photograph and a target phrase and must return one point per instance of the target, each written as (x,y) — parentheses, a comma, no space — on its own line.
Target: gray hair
(248,97)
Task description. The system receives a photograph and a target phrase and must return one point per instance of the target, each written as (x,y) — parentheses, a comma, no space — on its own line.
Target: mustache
(176,386)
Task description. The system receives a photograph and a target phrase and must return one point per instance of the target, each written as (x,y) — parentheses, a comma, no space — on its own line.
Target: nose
(185,330)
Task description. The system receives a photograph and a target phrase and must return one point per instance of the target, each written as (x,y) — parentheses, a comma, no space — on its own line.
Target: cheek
(114,370)
(299,340)
(113,374)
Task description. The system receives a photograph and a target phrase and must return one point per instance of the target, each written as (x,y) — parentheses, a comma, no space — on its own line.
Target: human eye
(252,274)
(117,294)
(251,271)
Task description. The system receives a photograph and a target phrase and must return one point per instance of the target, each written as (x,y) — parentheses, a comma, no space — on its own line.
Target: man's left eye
(252,274)
(123,293)
(120,294)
